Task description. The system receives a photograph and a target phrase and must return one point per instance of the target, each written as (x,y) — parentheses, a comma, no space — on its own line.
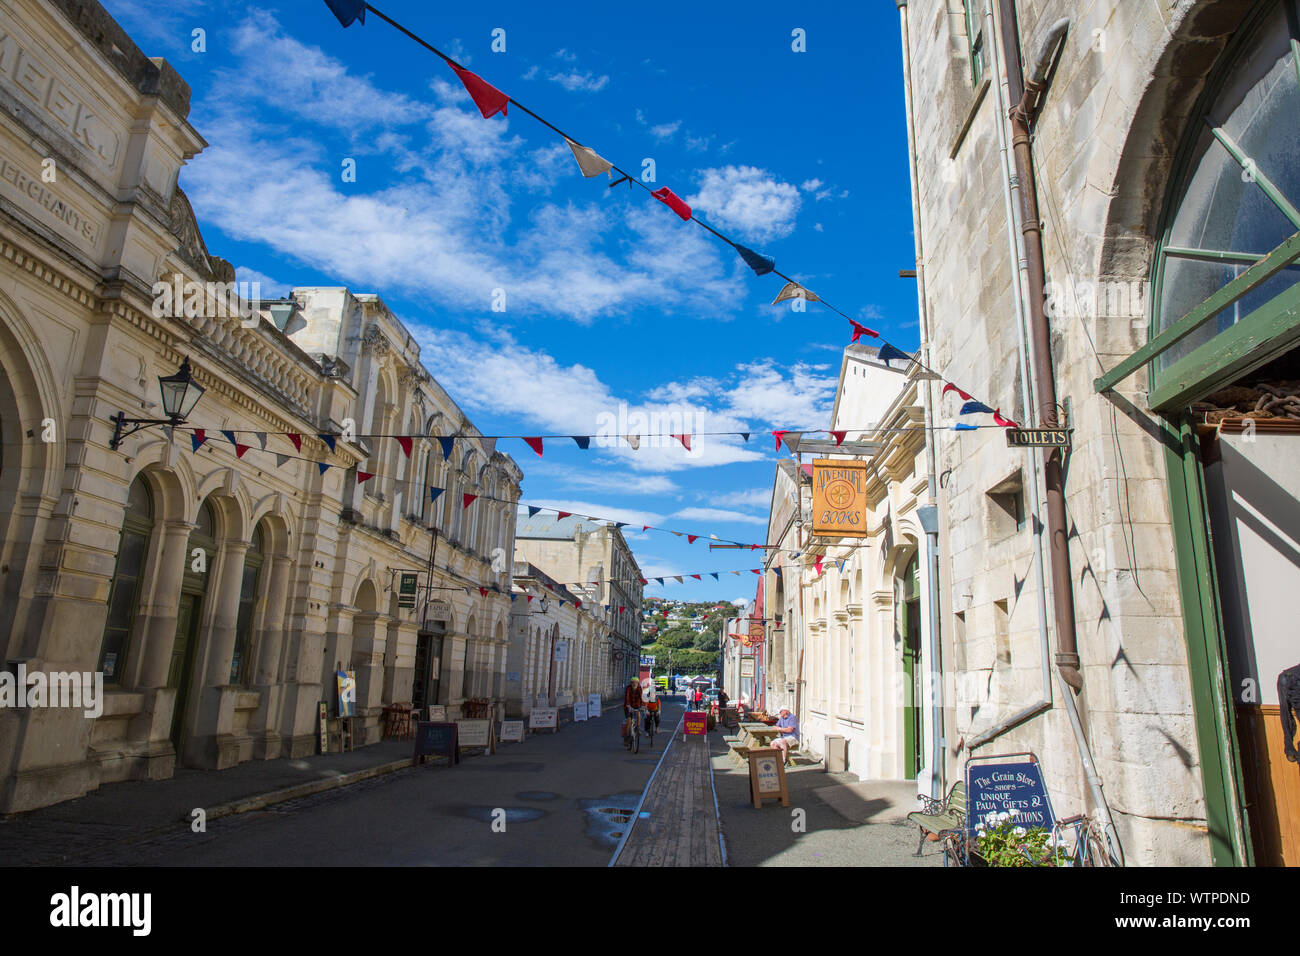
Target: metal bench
(940,816)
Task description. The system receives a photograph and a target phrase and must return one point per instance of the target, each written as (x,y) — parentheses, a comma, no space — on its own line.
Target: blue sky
(612,303)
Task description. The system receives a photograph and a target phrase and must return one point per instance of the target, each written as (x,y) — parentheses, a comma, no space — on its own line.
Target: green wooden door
(181,673)
(910,625)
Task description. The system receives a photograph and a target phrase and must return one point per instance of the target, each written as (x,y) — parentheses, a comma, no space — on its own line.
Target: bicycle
(1091,845)
(632,732)
(651,725)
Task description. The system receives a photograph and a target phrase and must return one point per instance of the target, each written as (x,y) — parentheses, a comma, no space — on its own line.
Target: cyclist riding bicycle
(633,703)
(650,694)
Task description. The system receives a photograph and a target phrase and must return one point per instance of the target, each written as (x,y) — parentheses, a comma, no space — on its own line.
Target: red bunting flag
(1004,422)
(469,500)
(577,603)
(951,387)
(758,571)
(364,476)
(692,538)
(240,449)
(530,599)
(296,439)
(778,435)
(535,444)
(860,330)
(697,577)
(645,527)
(483,591)
(486,97)
(673,202)
(685,440)
(644,581)
(561,515)
(405,442)
(818,565)
(839,437)
(621,608)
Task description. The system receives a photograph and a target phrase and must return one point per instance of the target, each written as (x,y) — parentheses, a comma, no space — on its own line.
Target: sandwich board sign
(475,733)
(512,730)
(695,723)
(580,710)
(767,776)
(541,718)
(593,705)
(435,740)
(1006,783)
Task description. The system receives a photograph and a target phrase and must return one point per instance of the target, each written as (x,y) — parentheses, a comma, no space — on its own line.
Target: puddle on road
(513,814)
(608,817)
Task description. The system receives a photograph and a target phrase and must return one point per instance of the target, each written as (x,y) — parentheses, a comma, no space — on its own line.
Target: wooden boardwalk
(678,822)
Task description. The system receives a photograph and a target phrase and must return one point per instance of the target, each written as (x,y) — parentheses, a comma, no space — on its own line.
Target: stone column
(269,672)
(210,745)
(370,639)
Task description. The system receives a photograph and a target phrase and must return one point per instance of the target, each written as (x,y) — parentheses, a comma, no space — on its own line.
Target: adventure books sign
(839,498)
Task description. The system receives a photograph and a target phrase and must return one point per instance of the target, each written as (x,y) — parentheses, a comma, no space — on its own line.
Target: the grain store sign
(839,498)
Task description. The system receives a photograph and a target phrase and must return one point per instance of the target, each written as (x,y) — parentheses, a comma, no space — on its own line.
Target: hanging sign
(756,633)
(406,590)
(1038,437)
(767,776)
(747,666)
(512,730)
(839,498)
(647,661)
(593,705)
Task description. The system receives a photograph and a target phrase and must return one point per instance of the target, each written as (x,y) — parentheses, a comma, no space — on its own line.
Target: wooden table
(766,734)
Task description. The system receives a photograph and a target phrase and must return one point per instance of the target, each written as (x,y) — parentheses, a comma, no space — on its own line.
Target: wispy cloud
(749,200)
(573,81)
(665,130)
(718,514)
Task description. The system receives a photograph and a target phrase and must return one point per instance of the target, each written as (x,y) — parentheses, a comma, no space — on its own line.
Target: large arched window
(1234,205)
(124,592)
(240,663)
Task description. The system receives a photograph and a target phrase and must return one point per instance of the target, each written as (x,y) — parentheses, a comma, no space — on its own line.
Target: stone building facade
(215,590)
(1163,146)
(593,557)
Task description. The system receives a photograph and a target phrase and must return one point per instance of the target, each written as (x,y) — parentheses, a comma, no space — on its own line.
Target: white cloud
(574,81)
(664,130)
(748,200)
(810,185)
(718,514)
(818,227)
(753,498)
(531,72)
(565,55)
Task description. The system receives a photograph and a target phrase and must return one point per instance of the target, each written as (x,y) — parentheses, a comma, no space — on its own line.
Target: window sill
(976,99)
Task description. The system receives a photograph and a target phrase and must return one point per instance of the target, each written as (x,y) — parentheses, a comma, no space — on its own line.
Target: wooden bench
(938,816)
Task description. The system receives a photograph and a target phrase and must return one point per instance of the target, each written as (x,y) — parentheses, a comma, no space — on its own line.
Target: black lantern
(180,393)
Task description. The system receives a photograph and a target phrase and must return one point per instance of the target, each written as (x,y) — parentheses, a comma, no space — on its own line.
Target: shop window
(240,663)
(124,592)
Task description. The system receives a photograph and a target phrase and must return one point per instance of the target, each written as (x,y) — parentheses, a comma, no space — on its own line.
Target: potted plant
(1001,841)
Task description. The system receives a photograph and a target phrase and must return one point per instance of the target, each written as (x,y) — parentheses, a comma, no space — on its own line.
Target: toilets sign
(994,788)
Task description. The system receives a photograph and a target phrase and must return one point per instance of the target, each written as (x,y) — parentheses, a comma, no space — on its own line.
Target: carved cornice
(185,227)
(374,342)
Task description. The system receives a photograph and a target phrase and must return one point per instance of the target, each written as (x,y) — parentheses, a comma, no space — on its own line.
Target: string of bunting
(491,101)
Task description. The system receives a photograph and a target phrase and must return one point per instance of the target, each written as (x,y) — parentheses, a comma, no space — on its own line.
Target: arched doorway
(908,610)
(201,552)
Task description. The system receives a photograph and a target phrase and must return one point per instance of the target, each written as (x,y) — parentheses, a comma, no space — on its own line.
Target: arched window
(1237,189)
(124,592)
(241,662)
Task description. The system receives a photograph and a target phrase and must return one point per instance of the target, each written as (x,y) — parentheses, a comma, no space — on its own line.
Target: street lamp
(180,393)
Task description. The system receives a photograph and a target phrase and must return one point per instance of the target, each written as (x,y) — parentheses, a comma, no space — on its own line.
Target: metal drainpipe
(1015,239)
(1021,119)
(938,742)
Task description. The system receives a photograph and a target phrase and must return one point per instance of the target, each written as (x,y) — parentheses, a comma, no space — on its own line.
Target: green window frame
(1251,312)
(974,41)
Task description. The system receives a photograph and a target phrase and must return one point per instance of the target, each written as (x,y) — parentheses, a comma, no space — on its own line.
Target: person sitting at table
(788,724)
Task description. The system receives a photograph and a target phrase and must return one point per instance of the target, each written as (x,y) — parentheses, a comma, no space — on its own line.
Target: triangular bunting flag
(678,577)
(952,387)
(889,354)
(715,575)
(818,565)
(692,538)
(535,444)
(584,441)
(561,515)
(971,407)
(348,11)
(405,442)
(323,466)
(697,577)
(685,440)
(1004,422)
(778,435)
(758,571)
(532,511)
(364,476)
(328,439)
(296,439)
(489,100)
(230,436)
(778,571)
(634,441)
(745,435)
(793,290)
(761,264)
(447,443)
(530,598)
(483,591)
(645,527)
(588,161)
(620,524)
(962,427)
(839,437)
(198,438)
(435,492)
(469,500)
(659,580)
(261,439)
(860,330)
(280,460)
(673,202)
